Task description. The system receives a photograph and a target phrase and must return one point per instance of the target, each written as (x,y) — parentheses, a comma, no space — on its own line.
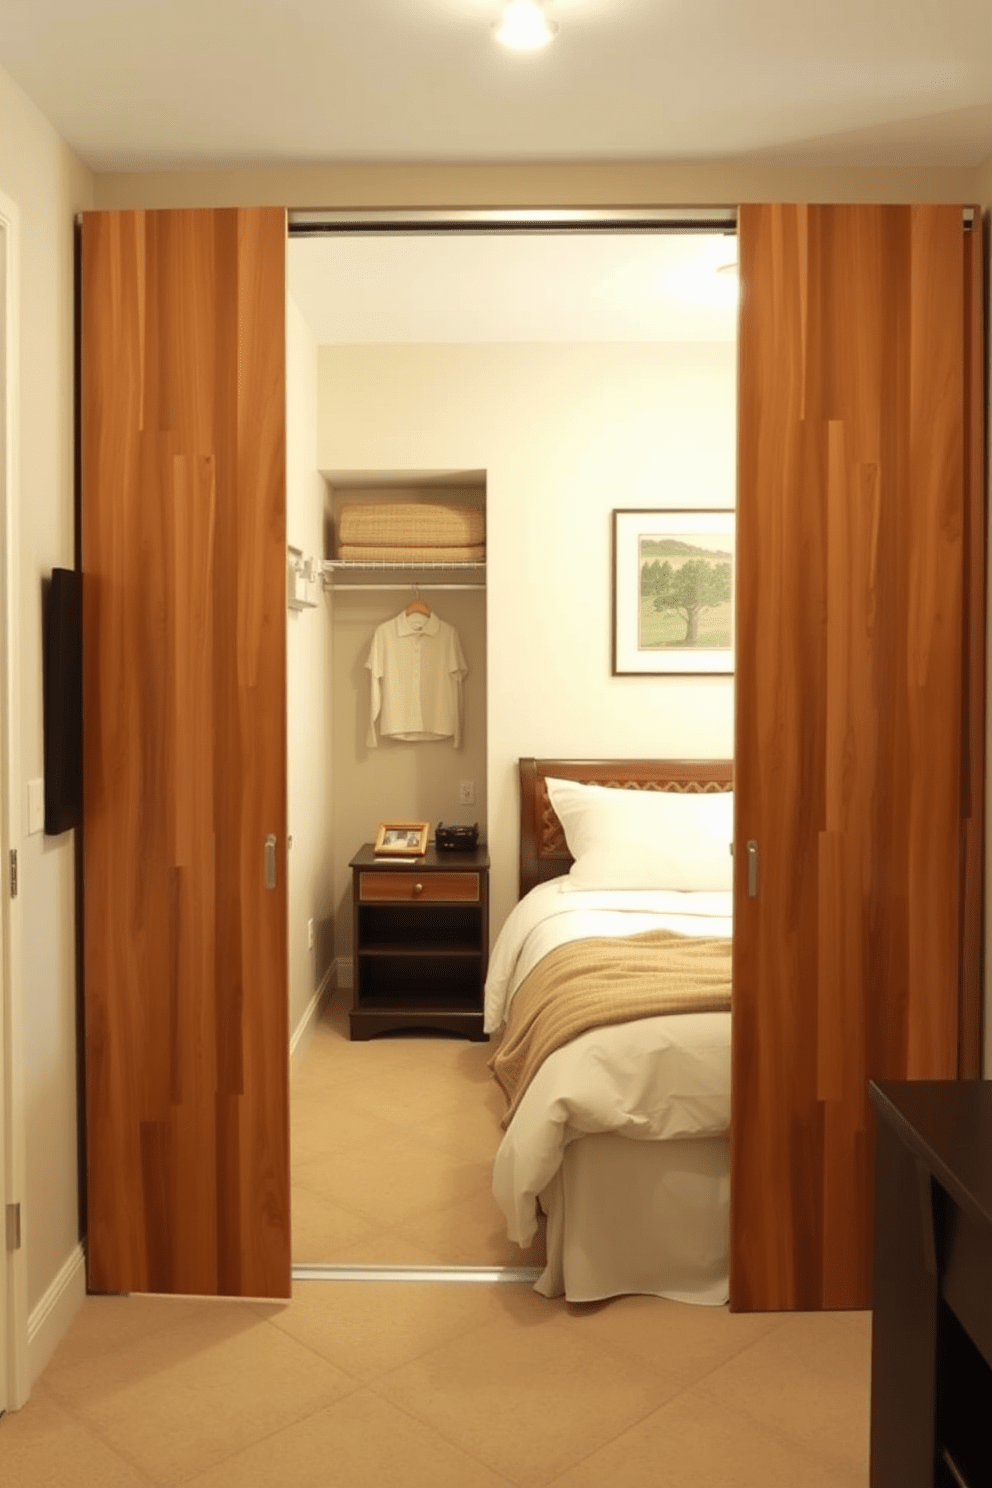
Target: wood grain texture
(970,1017)
(183,541)
(441,888)
(851,697)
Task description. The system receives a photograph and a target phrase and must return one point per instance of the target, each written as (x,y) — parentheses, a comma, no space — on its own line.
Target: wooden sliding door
(974,619)
(859,748)
(183,540)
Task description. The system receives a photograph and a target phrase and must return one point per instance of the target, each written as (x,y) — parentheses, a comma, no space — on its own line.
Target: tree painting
(682,581)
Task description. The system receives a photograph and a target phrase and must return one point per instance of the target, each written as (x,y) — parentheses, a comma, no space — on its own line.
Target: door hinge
(13,873)
(13,1226)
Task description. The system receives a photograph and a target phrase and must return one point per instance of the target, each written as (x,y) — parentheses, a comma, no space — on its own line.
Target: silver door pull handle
(752,870)
(270,861)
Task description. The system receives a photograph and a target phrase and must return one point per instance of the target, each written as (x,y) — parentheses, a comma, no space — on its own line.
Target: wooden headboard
(543,850)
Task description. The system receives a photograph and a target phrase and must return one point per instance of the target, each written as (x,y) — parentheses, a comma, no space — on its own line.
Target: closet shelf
(342,573)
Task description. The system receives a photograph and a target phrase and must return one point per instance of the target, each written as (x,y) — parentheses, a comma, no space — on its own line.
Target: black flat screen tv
(62,690)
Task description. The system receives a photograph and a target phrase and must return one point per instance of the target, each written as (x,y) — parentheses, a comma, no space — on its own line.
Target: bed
(620,1134)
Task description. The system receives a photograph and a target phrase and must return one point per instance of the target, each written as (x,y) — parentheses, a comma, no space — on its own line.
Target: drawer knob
(418,888)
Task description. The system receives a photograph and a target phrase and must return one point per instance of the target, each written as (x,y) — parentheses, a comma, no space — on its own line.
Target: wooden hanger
(418,606)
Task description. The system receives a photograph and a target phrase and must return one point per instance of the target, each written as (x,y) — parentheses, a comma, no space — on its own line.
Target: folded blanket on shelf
(412,555)
(398,524)
(592,983)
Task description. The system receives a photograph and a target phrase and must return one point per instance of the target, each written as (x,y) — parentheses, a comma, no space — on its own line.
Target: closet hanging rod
(414,575)
(380,565)
(366,588)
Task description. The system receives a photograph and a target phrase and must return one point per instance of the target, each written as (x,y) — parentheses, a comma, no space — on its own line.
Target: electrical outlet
(466,793)
(310,934)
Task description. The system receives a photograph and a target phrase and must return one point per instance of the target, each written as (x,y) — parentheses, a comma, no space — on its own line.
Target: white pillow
(644,839)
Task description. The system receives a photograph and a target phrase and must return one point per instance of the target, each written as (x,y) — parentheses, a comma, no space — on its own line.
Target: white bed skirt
(646,1217)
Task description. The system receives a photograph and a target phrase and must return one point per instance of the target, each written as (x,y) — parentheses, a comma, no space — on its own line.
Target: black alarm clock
(456,837)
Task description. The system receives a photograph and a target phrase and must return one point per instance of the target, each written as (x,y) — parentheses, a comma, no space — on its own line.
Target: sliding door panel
(183,533)
(851,699)
(973,742)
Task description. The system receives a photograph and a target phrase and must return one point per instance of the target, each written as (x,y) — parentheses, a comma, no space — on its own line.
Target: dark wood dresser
(421,942)
(931,1380)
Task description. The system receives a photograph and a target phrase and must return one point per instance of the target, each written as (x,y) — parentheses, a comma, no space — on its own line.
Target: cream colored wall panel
(983,183)
(309,672)
(49,186)
(648,183)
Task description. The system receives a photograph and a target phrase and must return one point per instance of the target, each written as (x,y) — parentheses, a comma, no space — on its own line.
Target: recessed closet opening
(545,374)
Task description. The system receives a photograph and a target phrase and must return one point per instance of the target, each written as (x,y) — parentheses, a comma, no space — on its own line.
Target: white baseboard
(300,1033)
(49,1321)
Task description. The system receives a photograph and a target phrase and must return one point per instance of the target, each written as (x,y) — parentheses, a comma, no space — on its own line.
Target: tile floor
(393,1145)
(452,1385)
(459,1385)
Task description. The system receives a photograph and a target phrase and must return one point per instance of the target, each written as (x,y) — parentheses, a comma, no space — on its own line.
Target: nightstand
(421,942)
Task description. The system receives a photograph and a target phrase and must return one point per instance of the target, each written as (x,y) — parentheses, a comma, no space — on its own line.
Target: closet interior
(395,779)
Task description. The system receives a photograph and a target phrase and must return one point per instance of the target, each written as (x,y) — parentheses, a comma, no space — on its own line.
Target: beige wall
(983,186)
(308,691)
(48,186)
(565,434)
(700,183)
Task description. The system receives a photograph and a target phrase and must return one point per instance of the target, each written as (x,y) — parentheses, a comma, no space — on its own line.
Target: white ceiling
(559,288)
(180,84)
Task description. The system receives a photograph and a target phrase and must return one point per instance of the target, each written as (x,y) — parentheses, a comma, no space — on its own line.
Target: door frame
(14,1384)
(505,222)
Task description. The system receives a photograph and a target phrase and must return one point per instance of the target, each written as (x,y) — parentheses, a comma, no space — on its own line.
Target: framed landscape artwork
(673,592)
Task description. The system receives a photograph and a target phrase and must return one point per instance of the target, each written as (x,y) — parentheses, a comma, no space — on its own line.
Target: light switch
(36,806)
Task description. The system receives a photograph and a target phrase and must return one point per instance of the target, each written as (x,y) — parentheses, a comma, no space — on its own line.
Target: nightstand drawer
(406,888)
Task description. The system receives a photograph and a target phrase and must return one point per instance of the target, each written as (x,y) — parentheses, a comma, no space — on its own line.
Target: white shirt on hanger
(416,665)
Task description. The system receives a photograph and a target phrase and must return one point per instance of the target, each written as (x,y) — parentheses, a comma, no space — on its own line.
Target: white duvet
(650,1079)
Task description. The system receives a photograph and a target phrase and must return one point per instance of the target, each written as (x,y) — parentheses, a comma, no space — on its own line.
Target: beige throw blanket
(589,983)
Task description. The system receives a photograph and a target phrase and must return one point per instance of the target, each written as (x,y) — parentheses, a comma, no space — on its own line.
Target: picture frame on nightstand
(405,839)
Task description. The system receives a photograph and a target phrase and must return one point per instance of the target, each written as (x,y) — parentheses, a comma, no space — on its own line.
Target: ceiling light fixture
(524,26)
